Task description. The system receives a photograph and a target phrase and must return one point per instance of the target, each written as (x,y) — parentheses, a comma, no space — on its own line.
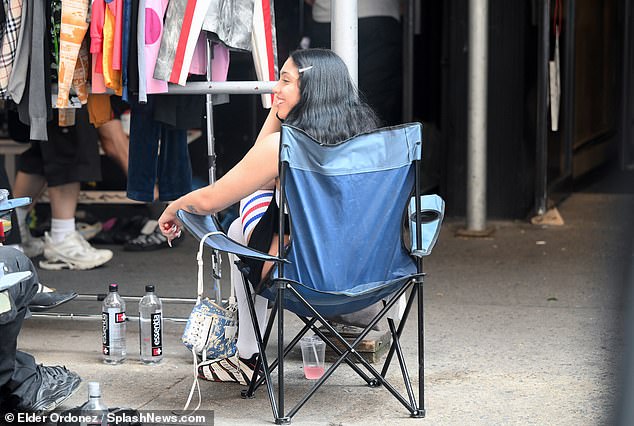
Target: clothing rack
(208,88)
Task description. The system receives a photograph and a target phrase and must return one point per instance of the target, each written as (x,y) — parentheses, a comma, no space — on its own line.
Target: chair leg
(257,379)
(401,360)
(258,335)
(350,350)
(421,345)
(279,417)
(401,327)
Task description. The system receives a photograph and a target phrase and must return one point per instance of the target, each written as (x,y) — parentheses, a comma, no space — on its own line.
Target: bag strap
(199,259)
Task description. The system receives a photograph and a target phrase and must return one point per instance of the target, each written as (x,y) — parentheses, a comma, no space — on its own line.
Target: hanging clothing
(264,46)
(111,75)
(232,21)
(9,35)
(132,83)
(140,34)
(72,32)
(17,79)
(35,110)
(170,168)
(98,12)
(81,76)
(125,48)
(181,33)
(154,13)
(219,61)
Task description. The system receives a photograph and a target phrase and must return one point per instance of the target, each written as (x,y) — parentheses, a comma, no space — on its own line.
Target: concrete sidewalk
(521,328)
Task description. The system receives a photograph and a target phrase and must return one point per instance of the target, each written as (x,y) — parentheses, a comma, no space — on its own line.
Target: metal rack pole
(216,272)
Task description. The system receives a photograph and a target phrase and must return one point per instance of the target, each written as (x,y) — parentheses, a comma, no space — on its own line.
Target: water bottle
(94,412)
(151,327)
(113,327)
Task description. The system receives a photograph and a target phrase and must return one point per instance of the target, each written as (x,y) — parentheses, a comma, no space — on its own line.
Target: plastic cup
(313,355)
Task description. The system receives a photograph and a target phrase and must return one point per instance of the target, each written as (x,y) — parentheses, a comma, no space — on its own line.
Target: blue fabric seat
(349,208)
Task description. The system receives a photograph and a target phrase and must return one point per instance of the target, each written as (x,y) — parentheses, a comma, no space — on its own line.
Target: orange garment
(99,109)
(72,31)
(112,77)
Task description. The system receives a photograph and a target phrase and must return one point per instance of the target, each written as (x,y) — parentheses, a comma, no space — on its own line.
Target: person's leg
(24,385)
(247,344)
(115,143)
(64,246)
(13,375)
(69,157)
(28,185)
(63,207)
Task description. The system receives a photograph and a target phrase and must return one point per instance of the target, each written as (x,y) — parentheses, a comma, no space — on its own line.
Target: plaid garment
(9,36)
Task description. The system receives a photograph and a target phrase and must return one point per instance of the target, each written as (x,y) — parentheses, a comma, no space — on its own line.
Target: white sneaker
(74,252)
(32,246)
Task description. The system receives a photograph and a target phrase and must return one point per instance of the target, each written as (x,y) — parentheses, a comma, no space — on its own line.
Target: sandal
(230,370)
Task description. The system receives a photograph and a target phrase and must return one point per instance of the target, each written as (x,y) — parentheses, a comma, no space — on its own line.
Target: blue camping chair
(348,206)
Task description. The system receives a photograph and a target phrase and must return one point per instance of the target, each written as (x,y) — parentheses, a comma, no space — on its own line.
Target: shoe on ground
(32,246)
(87,230)
(49,299)
(150,239)
(52,386)
(229,370)
(74,252)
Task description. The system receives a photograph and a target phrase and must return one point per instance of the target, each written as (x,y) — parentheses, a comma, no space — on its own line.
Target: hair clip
(301,70)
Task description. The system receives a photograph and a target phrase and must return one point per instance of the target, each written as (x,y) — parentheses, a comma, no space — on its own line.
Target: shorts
(70,155)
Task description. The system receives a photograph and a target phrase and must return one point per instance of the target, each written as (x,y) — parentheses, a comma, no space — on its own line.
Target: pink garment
(116,7)
(219,63)
(154,14)
(96,45)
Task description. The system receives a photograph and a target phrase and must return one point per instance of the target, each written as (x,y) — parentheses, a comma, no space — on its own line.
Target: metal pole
(408,61)
(216,271)
(543,50)
(228,87)
(568,118)
(625,154)
(477,115)
(344,34)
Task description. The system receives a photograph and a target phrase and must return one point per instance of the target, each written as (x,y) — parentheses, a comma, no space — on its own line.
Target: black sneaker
(53,386)
(154,240)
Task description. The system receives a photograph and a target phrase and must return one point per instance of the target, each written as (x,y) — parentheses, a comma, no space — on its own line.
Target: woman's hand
(169,224)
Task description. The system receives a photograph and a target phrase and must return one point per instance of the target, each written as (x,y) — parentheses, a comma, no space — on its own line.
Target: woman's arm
(271,125)
(257,169)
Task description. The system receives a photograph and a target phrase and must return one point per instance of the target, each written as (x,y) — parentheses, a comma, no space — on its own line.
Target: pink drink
(313,372)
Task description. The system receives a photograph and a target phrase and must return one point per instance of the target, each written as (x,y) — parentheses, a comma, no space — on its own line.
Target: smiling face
(286,90)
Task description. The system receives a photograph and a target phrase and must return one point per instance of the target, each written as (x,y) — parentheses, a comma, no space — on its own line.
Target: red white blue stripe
(252,208)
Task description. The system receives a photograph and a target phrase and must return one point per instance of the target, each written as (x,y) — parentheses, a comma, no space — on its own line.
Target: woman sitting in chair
(315,94)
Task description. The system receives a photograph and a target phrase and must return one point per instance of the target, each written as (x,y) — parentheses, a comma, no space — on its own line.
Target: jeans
(171,167)
(17,369)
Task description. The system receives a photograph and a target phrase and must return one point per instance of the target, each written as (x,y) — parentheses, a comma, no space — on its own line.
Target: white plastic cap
(94,389)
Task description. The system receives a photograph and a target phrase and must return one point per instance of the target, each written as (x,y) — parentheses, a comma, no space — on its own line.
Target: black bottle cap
(113,287)
(149,288)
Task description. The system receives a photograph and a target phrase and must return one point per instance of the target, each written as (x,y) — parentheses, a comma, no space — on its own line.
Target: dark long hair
(330,108)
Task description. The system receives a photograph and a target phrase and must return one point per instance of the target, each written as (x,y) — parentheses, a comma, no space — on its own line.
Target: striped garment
(9,36)
(252,208)
(264,45)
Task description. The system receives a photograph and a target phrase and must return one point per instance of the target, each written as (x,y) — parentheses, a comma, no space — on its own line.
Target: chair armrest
(199,225)
(432,213)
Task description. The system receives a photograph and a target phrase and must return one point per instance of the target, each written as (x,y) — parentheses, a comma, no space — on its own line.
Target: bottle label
(112,329)
(157,334)
(105,335)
